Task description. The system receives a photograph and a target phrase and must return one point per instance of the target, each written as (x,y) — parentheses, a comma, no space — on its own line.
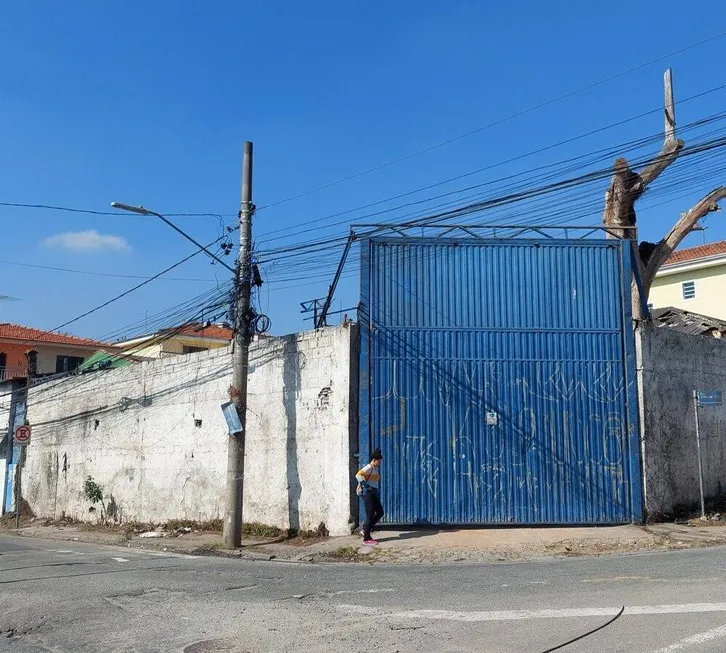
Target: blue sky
(149,103)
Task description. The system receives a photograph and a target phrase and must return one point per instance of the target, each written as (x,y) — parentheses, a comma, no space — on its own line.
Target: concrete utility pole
(238,392)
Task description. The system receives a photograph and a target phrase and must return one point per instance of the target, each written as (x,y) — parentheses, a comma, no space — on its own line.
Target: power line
(495,123)
(95,274)
(70,209)
(117,297)
(545,203)
(517,193)
(176,324)
(520,157)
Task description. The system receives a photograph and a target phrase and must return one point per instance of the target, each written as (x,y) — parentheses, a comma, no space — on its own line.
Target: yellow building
(182,340)
(694,280)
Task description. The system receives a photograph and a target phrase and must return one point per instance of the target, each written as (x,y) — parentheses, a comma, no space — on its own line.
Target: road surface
(74,597)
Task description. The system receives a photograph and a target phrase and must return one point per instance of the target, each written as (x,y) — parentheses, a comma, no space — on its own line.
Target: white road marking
(695,640)
(512,615)
(614,579)
(167,554)
(78,553)
(365,591)
(120,559)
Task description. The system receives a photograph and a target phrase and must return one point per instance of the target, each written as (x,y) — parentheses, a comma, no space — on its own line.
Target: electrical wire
(497,122)
(524,192)
(524,179)
(173,323)
(497,164)
(92,273)
(115,298)
(68,209)
(588,633)
(131,355)
(700,162)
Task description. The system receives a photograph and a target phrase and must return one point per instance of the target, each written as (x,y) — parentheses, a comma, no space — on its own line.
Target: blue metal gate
(498,378)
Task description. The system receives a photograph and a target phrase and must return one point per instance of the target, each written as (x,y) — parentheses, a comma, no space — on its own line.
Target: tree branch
(668,154)
(679,231)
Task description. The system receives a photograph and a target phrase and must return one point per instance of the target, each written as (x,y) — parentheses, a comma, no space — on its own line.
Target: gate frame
(442,234)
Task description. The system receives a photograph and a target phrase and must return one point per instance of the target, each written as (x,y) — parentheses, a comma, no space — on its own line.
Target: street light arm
(144,211)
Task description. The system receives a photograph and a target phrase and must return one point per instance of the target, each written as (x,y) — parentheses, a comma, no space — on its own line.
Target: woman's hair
(376,455)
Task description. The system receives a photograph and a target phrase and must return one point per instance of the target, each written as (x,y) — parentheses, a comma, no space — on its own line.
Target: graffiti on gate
(558,426)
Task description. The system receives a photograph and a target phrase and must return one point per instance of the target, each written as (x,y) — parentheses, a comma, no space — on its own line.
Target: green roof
(102,360)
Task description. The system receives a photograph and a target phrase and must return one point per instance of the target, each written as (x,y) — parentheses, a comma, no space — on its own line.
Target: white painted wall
(671,366)
(133,429)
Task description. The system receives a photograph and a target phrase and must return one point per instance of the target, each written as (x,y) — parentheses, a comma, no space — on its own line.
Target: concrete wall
(709,282)
(154,437)
(671,366)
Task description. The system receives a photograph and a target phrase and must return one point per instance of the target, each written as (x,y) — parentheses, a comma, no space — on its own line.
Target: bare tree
(627,186)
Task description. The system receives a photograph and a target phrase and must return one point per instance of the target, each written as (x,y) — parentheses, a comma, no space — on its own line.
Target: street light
(144,211)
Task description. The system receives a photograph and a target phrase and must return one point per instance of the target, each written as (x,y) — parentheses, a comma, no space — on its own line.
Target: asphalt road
(74,597)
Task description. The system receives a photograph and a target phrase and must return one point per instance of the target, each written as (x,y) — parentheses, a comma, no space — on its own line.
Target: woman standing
(368,489)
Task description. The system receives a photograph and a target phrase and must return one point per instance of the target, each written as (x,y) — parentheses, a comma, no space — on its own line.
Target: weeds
(345,554)
(210,526)
(261,530)
(94,493)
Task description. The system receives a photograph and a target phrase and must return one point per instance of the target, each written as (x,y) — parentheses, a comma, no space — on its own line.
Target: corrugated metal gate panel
(527,334)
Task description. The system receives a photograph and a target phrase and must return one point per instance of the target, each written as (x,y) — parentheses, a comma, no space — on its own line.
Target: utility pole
(241,347)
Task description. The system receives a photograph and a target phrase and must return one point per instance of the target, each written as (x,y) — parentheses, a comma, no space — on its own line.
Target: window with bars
(689,289)
(67,363)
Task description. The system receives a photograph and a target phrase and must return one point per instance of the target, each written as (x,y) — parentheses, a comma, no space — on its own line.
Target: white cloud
(86,241)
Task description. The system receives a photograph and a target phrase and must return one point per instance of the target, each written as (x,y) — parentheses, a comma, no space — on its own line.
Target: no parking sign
(22,435)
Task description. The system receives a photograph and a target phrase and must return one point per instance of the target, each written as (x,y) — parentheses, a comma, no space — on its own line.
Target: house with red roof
(694,280)
(185,339)
(45,352)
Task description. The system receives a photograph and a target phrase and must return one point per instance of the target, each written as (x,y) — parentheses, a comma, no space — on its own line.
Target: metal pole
(17,486)
(698,446)
(236,442)
(320,321)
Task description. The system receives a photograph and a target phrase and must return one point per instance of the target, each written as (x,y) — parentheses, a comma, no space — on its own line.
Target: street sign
(22,435)
(709,398)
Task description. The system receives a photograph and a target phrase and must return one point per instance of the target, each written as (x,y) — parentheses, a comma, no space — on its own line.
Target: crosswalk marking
(511,615)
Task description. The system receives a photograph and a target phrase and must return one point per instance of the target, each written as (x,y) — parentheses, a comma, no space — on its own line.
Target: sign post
(21,437)
(701,399)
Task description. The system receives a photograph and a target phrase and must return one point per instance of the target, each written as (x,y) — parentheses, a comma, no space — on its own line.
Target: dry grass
(346,554)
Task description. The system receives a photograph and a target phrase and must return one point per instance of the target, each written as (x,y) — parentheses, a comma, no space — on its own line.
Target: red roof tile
(696,253)
(213,331)
(33,336)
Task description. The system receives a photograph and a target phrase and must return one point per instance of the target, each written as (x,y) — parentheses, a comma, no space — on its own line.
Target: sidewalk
(407,546)
(498,544)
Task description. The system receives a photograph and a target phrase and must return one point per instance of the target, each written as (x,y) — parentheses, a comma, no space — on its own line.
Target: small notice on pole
(234,425)
(492,418)
(22,435)
(709,398)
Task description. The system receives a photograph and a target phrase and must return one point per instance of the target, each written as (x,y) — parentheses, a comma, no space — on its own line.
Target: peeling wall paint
(154,437)
(671,366)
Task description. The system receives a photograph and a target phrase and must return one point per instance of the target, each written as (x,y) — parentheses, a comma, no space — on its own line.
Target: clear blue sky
(149,103)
